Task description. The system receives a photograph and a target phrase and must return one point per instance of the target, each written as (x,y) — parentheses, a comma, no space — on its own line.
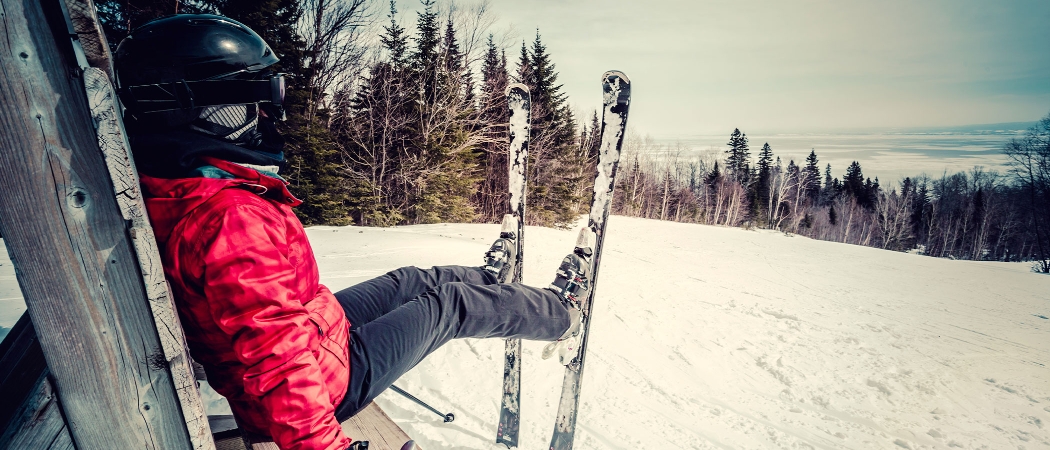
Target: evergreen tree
(793,171)
(492,197)
(524,75)
(738,156)
(761,187)
(376,131)
(446,163)
(920,206)
(714,177)
(556,164)
(829,193)
(425,58)
(452,56)
(394,40)
(812,175)
(853,181)
(765,159)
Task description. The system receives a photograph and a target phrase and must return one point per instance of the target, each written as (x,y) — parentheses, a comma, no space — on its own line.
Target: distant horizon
(1003,127)
(888,156)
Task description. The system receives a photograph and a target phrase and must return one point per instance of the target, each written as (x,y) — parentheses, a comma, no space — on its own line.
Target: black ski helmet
(188,61)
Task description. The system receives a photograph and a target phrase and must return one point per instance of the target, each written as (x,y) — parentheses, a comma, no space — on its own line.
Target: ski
(519,105)
(617,96)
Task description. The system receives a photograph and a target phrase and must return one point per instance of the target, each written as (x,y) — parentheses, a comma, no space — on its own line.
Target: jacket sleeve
(249,286)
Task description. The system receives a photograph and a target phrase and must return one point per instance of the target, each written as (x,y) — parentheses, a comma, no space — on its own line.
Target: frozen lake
(889,155)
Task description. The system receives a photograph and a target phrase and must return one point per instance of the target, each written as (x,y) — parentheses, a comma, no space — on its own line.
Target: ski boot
(503,255)
(572,283)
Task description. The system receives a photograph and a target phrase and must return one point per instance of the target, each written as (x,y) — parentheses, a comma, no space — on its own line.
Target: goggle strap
(189,94)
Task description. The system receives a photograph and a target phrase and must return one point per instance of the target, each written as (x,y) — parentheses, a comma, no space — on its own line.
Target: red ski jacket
(272,339)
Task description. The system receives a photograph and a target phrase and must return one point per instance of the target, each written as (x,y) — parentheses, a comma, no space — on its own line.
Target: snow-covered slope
(709,337)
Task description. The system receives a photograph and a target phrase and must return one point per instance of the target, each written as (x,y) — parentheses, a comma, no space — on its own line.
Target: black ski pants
(399,318)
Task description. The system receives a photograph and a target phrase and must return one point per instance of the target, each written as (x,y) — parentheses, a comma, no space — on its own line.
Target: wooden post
(73,253)
(29,414)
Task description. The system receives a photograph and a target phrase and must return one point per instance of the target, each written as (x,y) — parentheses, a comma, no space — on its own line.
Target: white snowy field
(710,337)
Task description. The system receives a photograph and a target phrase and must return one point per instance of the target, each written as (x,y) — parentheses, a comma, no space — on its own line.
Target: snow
(521,112)
(708,337)
(711,337)
(11,304)
(613,127)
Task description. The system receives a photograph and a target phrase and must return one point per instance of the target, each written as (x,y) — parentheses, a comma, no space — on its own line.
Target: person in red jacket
(292,358)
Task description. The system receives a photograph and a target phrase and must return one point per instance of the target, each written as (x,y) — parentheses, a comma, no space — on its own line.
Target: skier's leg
(367,301)
(387,347)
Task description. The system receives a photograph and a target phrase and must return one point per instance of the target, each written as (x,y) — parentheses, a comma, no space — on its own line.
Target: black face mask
(269,140)
(173,153)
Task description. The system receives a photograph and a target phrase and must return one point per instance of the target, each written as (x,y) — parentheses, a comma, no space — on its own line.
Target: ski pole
(448,417)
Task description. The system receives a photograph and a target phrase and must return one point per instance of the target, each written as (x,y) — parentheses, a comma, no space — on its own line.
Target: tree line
(391,126)
(978,214)
(408,127)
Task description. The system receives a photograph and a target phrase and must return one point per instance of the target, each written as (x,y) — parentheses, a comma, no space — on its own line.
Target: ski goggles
(267,89)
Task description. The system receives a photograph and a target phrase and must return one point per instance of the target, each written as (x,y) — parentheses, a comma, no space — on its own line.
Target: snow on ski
(519,103)
(617,95)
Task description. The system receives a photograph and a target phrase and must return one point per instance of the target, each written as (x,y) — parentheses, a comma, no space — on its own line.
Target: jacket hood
(168,200)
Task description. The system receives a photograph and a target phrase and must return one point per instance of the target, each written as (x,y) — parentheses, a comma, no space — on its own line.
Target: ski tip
(519,86)
(609,76)
(617,92)
(510,223)
(585,239)
(410,445)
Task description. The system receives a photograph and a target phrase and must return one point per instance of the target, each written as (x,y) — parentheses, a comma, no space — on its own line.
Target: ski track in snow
(710,337)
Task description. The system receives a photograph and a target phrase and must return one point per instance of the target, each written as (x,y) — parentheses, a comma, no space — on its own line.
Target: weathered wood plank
(112,140)
(71,247)
(30,416)
(38,423)
(21,366)
(374,426)
(371,424)
(86,25)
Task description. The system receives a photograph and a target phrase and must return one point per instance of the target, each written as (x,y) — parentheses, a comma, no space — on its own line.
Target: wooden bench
(371,424)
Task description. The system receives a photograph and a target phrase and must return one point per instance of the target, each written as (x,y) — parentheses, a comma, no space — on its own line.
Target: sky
(706,67)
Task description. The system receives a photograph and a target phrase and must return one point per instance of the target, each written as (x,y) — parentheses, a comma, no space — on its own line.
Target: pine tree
(828,194)
(376,130)
(853,184)
(447,167)
(738,159)
(425,58)
(492,196)
(761,187)
(395,40)
(556,164)
(524,75)
(451,55)
(920,207)
(812,172)
(714,177)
